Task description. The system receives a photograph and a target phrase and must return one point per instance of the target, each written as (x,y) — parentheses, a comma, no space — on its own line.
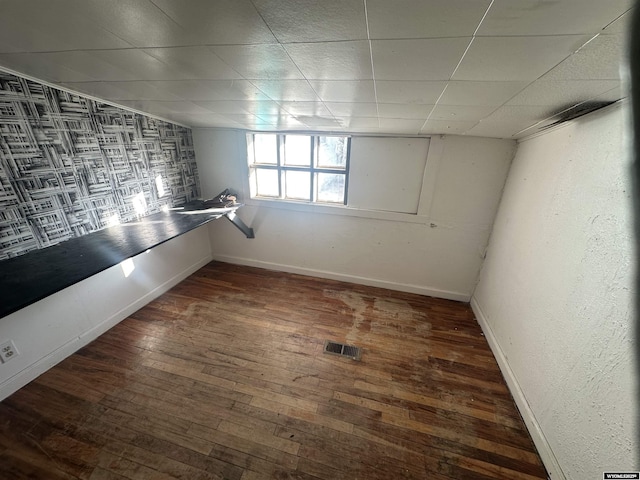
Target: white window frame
(282,168)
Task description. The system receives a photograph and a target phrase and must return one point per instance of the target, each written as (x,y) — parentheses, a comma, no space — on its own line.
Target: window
(305,168)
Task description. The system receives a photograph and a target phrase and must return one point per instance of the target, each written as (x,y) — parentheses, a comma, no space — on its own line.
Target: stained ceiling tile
(480,93)
(412,92)
(511,119)
(313,21)
(194,62)
(562,92)
(265,61)
(355,91)
(424,59)
(466,113)
(287,90)
(519,58)
(535,17)
(600,59)
(209,22)
(332,60)
(396,110)
(419,19)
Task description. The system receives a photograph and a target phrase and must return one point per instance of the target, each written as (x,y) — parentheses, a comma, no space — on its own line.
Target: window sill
(342,210)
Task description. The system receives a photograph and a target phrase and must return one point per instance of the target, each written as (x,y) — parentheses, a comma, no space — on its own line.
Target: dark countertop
(35,275)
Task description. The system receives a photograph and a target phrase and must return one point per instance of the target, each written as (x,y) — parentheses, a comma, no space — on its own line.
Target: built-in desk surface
(33,276)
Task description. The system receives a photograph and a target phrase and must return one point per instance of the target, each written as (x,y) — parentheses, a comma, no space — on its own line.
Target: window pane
(267,182)
(332,152)
(331,187)
(298,185)
(265,148)
(297,150)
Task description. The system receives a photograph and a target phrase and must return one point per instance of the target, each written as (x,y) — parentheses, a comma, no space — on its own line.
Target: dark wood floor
(223,377)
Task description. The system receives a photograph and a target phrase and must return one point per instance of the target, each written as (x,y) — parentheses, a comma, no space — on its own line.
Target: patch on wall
(70,165)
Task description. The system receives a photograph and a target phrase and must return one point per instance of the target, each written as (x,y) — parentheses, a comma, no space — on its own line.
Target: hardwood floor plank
(223,377)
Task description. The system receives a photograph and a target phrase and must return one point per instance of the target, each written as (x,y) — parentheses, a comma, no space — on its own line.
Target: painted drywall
(48,331)
(437,252)
(555,295)
(70,165)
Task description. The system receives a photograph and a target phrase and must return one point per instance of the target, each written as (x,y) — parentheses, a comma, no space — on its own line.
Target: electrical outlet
(8,351)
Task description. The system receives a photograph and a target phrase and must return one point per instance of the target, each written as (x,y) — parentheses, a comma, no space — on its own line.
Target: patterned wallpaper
(70,166)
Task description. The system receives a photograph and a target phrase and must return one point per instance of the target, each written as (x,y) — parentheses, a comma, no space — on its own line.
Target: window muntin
(297,167)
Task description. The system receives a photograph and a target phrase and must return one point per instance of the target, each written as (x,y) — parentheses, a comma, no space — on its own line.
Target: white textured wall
(555,295)
(460,195)
(48,331)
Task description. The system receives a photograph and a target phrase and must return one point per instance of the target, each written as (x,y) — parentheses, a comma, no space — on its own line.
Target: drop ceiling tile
(600,59)
(306,108)
(138,22)
(318,121)
(313,21)
(533,17)
(283,122)
(562,92)
(621,25)
(359,91)
(358,123)
(451,127)
(480,93)
(223,107)
(164,23)
(613,95)
(121,90)
(44,67)
(194,62)
(346,109)
(414,92)
(425,59)
(267,61)
(332,60)
(243,118)
(42,26)
(400,125)
(460,113)
(397,110)
(109,65)
(287,90)
(420,19)
(518,58)
(508,121)
(203,120)
(212,89)
(160,107)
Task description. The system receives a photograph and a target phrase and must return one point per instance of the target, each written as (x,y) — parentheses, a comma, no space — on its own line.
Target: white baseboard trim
(30,373)
(537,435)
(371,282)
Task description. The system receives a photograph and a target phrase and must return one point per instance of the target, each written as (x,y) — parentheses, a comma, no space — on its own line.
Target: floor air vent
(349,351)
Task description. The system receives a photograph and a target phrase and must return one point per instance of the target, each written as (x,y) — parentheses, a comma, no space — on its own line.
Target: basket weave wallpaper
(70,165)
